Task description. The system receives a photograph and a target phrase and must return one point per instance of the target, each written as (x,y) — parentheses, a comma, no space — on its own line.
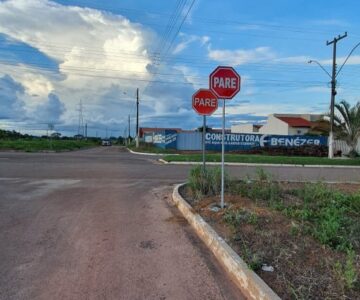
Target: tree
(320,127)
(347,124)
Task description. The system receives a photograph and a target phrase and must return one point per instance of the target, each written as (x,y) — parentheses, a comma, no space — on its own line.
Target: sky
(59,56)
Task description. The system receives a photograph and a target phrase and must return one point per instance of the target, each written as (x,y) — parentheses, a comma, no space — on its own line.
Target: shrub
(206,182)
(347,272)
(236,217)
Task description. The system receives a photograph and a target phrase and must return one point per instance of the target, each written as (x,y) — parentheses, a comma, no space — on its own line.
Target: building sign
(237,141)
(168,139)
(165,139)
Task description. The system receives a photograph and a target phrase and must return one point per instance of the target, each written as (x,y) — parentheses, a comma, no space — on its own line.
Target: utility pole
(85,131)
(129,129)
(81,120)
(333,92)
(125,139)
(137,118)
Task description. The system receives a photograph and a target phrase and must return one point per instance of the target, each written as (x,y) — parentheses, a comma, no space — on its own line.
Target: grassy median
(303,239)
(263,159)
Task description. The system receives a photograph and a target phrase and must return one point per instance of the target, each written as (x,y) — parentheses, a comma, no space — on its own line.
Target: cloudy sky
(54,54)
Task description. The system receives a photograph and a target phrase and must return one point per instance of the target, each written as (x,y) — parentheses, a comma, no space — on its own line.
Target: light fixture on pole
(333,93)
(333,77)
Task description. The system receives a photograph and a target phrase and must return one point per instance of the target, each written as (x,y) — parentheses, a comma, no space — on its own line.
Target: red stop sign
(204,102)
(225,82)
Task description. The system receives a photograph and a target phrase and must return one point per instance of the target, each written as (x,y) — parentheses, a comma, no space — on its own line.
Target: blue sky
(55,54)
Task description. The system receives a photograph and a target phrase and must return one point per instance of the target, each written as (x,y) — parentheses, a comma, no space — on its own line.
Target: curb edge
(248,281)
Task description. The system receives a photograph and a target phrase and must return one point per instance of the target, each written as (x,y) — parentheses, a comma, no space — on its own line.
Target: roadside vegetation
(11,140)
(263,159)
(347,124)
(308,234)
(35,145)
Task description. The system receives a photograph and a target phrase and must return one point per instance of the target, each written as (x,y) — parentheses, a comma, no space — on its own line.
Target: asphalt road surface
(99,224)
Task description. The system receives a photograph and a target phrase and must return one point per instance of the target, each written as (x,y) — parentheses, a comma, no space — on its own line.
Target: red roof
(295,121)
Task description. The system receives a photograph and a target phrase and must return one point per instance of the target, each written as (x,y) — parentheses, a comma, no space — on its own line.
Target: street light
(333,93)
(333,87)
(315,61)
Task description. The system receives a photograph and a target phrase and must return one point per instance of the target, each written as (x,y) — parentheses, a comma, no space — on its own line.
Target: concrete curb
(149,154)
(258,165)
(144,153)
(251,285)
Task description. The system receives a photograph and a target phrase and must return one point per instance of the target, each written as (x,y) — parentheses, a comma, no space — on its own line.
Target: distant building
(245,128)
(289,124)
(281,124)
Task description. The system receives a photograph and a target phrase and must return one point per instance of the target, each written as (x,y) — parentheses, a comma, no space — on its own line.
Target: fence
(344,148)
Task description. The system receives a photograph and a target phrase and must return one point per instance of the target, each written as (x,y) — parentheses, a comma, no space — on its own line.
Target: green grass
(35,145)
(330,216)
(263,159)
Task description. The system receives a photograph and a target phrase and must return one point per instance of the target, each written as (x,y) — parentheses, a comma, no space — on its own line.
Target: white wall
(243,128)
(341,145)
(275,126)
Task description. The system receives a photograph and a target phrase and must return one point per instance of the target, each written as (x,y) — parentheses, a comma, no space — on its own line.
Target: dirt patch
(281,249)
(147,244)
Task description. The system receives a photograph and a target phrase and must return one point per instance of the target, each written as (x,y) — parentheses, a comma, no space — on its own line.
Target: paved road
(98,224)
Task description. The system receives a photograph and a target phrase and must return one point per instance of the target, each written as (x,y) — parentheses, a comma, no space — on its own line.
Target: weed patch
(206,182)
(307,234)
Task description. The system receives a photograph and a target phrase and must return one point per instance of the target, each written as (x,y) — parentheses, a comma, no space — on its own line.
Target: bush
(206,182)
(353,154)
(261,188)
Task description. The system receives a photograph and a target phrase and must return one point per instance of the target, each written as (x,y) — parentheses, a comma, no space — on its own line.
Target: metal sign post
(225,83)
(223,157)
(204,102)
(203,141)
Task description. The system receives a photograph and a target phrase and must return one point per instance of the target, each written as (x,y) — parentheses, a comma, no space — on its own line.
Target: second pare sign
(204,102)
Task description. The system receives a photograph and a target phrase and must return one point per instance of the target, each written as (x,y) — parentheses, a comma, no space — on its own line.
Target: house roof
(295,121)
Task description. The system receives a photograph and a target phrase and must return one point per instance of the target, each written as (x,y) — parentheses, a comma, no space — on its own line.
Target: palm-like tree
(347,124)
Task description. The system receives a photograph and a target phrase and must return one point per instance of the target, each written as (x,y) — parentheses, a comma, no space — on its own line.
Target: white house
(245,128)
(281,124)
(289,124)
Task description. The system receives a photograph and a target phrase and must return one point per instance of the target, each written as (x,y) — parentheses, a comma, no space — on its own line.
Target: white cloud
(100,56)
(241,56)
(293,60)
(353,60)
(186,40)
(192,76)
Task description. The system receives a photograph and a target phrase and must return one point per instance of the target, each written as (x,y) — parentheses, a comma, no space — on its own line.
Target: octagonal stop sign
(204,102)
(225,82)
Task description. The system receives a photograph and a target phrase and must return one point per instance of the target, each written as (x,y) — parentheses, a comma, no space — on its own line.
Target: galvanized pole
(223,156)
(203,141)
